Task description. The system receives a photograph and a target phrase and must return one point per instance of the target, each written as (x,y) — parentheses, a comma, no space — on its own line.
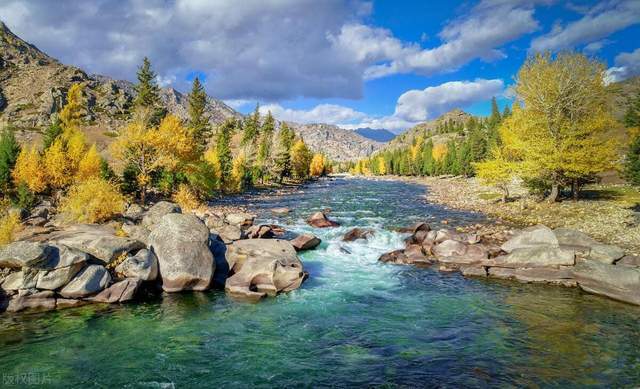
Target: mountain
(383,136)
(33,86)
(338,144)
(455,117)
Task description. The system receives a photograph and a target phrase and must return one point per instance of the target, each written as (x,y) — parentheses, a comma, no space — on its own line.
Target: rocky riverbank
(159,249)
(535,254)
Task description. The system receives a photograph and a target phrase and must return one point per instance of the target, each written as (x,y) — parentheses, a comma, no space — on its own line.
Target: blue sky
(381,64)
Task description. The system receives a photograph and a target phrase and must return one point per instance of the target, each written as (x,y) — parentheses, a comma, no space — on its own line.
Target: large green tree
(9,150)
(198,118)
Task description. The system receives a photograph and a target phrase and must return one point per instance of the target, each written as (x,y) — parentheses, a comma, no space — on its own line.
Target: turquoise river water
(354,322)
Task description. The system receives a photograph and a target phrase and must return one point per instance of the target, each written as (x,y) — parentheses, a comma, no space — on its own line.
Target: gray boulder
(587,246)
(532,237)
(605,253)
(540,256)
(99,241)
(617,282)
(91,280)
(240,219)
(23,254)
(23,279)
(180,242)
(63,264)
(262,267)
(134,212)
(142,266)
(449,248)
(629,260)
(33,300)
(358,233)
(137,232)
(229,233)
(562,275)
(153,216)
(119,292)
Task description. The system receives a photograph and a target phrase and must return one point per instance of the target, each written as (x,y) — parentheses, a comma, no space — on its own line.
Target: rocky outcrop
(261,267)
(23,254)
(305,242)
(180,242)
(320,220)
(338,144)
(534,255)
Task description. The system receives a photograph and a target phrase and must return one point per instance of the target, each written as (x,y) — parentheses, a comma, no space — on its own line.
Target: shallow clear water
(355,322)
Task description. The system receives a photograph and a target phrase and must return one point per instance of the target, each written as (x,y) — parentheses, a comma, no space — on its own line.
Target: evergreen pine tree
(506,112)
(198,118)
(632,163)
(148,92)
(9,150)
(286,137)
(251,128)
(495,118)
(632,116)
(264,160)
(52,133)
(223,149)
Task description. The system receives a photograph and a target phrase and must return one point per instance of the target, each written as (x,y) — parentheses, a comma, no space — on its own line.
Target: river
(354,322)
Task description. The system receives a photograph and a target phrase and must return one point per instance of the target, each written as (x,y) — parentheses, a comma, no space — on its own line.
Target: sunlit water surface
(355,322)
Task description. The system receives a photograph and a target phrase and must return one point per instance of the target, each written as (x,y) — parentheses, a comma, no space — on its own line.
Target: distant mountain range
(383,136)
(33,86)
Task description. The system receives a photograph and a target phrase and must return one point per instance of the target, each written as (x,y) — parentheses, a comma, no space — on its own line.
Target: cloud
(251,49)
(420,105)
(627,66)
(323,113)
(478,34)
(599,22)
(412,107)
(266,50)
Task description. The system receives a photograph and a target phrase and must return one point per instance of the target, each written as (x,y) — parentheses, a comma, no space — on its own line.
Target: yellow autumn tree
(211,157)
(239,173)
(317,166)
(300,159)
(176,144)
(92,201)
(90,165)
(71,114)
(186,198)
(136,147)
(439,151)
(56,166)
(29,171)
(382,165)
(563,130)
(498,171)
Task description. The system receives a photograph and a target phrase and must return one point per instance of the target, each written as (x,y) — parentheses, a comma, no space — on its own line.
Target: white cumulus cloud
(322,113)
(626,65)
(600,21)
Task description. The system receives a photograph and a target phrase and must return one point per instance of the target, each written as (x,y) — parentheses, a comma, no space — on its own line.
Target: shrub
(9,225)
(93,201)
(186,198)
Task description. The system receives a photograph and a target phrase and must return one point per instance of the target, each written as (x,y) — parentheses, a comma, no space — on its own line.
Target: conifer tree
(198,119)
(286,137)
(223,149)
(28,170)
(264,162)
(251,128)
(9,150)
(632,163)
(71,114)
(52,132)
(632,115)
(300,160)
(56,166)
(91,165)
(148,92)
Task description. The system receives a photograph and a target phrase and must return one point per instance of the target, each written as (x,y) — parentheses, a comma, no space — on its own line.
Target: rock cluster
(536,254)
(159,248)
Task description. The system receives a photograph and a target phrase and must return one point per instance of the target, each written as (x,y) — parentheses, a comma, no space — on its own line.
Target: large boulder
(32,299)
(23,279)
(261,267)
(91,280)
(260,231)
(535,236)
(449,248)
(239,219)
(617,282)
(153,216)
(63,264)
(23,254)
(180,242)
(229,233)
(142,266)
(540,256)
(305,242)
(358,233)
(320,220)
(137,232)
(587,246)
(99,241)
(134,212)
(119,292)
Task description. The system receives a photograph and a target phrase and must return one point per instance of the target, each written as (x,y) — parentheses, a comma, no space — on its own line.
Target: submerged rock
(305,242)
(261,267)
(358,233)
(180,242)
(320,220)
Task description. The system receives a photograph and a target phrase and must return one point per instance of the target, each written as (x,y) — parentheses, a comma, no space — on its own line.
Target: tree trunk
(575,189)
(555,191)
(143,195)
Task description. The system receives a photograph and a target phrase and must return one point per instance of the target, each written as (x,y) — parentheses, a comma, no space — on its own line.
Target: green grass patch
(623,194)
(489,196)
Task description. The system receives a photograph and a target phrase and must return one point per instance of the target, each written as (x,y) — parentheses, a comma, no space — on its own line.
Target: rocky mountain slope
(338,144)
(376,134)
(33,86)
(456,116)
